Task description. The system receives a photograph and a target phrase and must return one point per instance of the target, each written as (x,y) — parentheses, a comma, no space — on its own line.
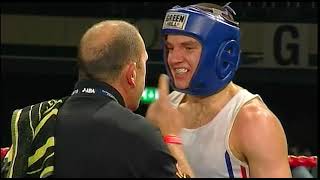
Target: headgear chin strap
(220,40)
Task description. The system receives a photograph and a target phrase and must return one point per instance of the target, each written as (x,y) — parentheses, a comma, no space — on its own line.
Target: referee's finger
(163,86)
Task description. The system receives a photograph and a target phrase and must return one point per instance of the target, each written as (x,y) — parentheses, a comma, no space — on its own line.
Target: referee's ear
(131,74)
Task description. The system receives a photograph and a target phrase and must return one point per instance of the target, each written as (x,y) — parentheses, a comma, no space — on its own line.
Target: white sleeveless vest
(207,147)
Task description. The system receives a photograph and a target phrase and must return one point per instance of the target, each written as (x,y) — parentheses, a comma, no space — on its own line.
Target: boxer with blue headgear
(219,36)
(226,130)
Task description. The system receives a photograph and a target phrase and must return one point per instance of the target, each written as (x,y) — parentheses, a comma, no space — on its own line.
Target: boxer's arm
(263,142)
(169,120)
(183,166)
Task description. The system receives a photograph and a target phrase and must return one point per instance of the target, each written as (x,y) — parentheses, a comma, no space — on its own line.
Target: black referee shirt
(96,136)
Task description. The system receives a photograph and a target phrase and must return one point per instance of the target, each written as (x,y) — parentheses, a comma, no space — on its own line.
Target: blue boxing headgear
(219,36)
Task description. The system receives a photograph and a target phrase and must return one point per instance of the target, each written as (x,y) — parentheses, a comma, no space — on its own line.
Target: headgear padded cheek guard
(220,40)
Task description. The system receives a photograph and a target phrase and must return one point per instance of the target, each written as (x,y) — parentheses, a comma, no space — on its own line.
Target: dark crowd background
(35,67)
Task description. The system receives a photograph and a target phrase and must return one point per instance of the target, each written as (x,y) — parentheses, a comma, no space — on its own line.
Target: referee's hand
(162,113)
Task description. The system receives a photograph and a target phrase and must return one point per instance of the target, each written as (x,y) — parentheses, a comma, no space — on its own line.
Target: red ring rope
(294,161)
(306,161)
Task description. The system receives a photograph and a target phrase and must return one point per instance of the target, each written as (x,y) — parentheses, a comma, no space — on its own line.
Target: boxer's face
(183,58)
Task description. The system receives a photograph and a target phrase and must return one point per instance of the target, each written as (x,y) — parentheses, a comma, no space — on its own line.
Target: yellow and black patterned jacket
(32,151)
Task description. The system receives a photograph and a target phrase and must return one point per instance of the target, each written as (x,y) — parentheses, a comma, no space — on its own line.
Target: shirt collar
(85,83)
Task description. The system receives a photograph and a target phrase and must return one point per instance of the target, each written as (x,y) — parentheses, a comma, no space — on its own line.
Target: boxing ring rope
(294,161)
(4,152)
(306,161)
